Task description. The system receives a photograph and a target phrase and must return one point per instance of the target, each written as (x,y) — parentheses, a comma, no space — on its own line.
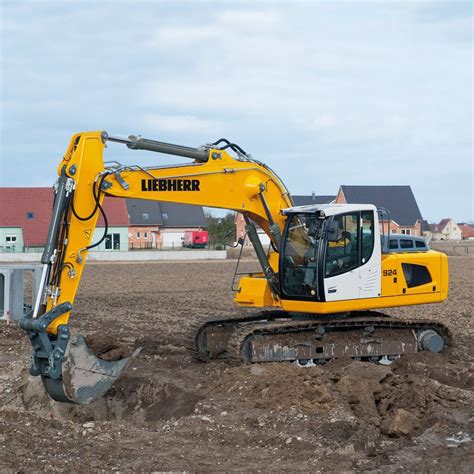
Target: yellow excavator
(327,271)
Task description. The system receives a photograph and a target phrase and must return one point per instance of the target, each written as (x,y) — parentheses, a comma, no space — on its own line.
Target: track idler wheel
(430,340)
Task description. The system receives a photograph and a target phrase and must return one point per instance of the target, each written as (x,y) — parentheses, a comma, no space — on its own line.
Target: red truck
(195,239)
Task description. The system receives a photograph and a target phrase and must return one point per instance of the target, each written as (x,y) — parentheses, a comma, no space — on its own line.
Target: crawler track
(279,336)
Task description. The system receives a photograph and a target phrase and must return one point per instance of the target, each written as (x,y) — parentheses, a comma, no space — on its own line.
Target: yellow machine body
(229,183)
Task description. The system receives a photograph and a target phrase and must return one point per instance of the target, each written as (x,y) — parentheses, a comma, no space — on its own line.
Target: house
(25,214)
(115,210)
(307,200)
(467,231)
(447,229)
(405,215)
(158,224)
(299,200)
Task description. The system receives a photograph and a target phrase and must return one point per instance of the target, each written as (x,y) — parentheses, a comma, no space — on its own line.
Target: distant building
(447,229)
(157,224)
(405,215)
(467,231)
(299,200)
(25,215)
(307,200)
(117,220)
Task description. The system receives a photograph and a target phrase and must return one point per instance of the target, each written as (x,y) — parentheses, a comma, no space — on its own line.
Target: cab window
(367,235)
(342,255)
(406,244)
(299,267)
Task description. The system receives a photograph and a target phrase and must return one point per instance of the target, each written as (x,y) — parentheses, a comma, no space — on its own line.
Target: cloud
(179,123)
(183,35)
(373,91)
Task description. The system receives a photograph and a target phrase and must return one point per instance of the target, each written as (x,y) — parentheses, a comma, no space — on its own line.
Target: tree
(221,229)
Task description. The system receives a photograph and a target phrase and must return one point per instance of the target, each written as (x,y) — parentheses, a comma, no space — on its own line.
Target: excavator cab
(327,251)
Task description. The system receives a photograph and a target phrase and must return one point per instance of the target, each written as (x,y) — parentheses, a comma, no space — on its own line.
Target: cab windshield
(300,255)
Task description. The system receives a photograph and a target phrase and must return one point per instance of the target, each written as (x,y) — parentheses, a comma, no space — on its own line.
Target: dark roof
(182,215)
(17,203)
(302,200)
(439,227)
(399,200)
(139,209)
(166,214)
(425,227)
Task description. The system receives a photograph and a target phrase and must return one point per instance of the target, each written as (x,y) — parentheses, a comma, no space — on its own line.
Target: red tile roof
(116,211)
(16,203)
(467,231)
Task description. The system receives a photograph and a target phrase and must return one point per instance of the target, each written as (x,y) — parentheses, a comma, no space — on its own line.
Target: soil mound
(133,399)
(394,400)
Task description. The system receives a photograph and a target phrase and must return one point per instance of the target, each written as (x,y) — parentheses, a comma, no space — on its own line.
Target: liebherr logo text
(170,185)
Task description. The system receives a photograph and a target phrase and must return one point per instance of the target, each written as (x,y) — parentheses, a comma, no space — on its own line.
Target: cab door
(352,264)
(342,260)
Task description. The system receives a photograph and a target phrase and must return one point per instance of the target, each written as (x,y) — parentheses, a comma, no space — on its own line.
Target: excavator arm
(214,178)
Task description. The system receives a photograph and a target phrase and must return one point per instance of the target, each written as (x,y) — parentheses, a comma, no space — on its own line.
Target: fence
(16,249)
(148,246)
(454,248)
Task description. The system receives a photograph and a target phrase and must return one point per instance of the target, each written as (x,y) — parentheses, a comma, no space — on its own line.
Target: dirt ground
(171,413)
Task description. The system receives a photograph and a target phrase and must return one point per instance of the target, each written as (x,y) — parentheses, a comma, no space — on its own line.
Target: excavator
(323,280)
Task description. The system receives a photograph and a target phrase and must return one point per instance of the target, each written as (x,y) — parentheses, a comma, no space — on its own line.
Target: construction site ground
(170,413)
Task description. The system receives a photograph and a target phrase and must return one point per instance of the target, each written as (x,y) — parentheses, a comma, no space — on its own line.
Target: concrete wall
(139,255)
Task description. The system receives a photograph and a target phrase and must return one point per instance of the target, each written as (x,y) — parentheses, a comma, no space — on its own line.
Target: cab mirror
(333,231)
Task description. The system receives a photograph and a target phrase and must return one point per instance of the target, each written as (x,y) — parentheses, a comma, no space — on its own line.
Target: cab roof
(329,209)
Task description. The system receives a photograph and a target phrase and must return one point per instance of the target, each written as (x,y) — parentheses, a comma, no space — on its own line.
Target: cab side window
(406,244)
(367,235)
(343,254)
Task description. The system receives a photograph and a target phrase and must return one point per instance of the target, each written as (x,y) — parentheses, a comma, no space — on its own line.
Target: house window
(145,216)
(30,215)
(138,235)
(112,241)
(406,231)
(10,239)
(145,235)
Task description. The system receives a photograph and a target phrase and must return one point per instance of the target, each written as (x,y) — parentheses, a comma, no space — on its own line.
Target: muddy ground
(171,413)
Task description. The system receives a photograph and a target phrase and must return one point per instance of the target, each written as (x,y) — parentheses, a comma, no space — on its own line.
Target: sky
(325,92)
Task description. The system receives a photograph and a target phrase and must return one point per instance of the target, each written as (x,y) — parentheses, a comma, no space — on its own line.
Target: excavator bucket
(70,371)
(85,377)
